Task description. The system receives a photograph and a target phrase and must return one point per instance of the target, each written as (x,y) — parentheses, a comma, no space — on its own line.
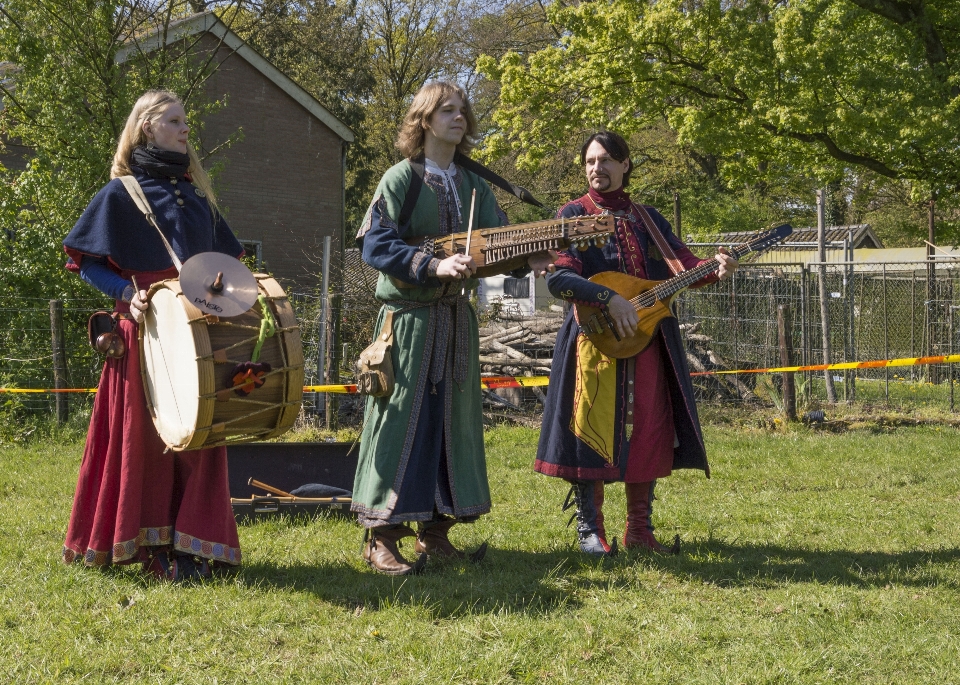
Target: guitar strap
(653,231)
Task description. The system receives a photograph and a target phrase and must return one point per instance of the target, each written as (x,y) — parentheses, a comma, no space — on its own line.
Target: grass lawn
(807,558)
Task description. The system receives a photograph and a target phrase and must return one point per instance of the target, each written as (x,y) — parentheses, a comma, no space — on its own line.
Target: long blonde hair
(427,101)
(150,107)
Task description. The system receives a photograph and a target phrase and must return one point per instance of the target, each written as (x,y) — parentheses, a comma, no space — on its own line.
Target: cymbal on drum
(218,284)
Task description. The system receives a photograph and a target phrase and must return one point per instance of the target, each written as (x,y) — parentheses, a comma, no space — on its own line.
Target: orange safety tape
(494,382)
(874,364)
(489,382)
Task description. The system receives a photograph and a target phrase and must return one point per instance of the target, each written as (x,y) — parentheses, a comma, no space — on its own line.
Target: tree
(811,87)
(67,93)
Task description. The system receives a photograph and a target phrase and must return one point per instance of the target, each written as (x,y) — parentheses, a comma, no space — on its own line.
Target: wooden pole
(824,302)
(676,214)
(59,360)
(784,331)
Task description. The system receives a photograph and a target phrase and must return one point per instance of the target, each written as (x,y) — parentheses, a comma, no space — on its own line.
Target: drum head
(172,375)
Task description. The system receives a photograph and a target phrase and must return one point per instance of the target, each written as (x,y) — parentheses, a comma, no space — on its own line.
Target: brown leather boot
(639,529)
(432,540)
(381,552)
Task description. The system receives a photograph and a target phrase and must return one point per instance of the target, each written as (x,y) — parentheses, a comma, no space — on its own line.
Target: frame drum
(187,360)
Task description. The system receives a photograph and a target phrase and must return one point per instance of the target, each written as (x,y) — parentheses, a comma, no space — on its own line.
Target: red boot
(639,532)
(598,501)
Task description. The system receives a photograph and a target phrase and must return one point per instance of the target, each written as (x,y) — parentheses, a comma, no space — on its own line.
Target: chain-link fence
(873,312)
(26,350)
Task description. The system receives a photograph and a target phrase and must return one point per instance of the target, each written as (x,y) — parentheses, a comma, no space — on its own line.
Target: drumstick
(136,287)
(269,488)
(473,200)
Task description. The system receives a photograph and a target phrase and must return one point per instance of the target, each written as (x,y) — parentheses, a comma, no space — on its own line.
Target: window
(516,287)
(253,251)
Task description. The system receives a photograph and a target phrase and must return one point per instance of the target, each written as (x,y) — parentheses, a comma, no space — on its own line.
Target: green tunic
(421,450)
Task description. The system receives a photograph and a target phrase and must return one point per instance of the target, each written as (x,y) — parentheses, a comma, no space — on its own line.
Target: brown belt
(123,315)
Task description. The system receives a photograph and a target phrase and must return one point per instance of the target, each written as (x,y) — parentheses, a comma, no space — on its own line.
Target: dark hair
(615,146)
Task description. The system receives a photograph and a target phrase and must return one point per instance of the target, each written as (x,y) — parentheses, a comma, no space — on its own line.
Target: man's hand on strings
(727,264)
(541,263)
(456,267)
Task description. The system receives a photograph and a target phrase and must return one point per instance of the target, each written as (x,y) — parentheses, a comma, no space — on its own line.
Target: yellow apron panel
(595,397)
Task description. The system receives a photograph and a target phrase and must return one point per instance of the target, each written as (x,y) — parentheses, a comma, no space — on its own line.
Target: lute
(653,300)
(505,248)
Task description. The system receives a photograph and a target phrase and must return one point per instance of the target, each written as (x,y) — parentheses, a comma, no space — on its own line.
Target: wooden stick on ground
(269,488)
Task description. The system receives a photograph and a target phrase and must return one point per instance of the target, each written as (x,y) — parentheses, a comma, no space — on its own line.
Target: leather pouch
(374,368)
(103,336)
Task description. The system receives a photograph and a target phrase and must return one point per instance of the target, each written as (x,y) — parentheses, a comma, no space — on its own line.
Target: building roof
(359,277)
(806,238)
(209,22)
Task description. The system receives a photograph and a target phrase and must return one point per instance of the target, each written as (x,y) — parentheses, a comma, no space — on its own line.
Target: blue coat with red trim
(560,452)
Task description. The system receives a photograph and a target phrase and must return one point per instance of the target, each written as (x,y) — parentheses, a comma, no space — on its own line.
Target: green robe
(421,450)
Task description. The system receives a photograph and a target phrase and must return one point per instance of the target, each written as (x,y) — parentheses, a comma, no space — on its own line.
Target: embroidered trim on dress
(121,551)
(415,263)
(206,549)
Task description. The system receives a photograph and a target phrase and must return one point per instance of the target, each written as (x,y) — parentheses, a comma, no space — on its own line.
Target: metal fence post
(824,302)
(59,360)
(913,322)
(322,325)
(852,304)
(950,365)
(886,339)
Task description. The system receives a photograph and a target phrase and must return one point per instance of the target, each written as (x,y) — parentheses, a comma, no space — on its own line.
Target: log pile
(523,346)
(702,357)
(515,345)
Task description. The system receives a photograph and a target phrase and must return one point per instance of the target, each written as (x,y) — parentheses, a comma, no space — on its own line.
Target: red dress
(132,497)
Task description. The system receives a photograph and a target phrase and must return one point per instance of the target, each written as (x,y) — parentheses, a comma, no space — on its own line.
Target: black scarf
(161,163)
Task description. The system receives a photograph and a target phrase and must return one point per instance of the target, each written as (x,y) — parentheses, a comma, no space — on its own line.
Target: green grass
(808,558)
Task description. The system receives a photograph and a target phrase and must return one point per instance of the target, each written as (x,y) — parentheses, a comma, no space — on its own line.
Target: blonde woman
(134,503)
(421,452)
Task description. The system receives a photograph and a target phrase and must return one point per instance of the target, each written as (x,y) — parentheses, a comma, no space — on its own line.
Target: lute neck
(687,278)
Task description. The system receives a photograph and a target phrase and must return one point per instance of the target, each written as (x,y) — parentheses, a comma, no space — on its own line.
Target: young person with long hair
(421,451)
(136,502)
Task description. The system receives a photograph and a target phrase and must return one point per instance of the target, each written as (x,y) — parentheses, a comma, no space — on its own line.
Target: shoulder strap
(669,255)
(139,199)
(413,190)
(416,182)
(494,178)
(386,330)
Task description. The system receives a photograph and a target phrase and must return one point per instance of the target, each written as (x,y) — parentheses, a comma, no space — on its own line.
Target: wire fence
(873,311)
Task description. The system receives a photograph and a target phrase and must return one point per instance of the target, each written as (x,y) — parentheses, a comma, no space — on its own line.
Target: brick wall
(281,184)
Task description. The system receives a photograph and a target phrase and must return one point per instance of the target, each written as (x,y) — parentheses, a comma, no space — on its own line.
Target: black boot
(589,533)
